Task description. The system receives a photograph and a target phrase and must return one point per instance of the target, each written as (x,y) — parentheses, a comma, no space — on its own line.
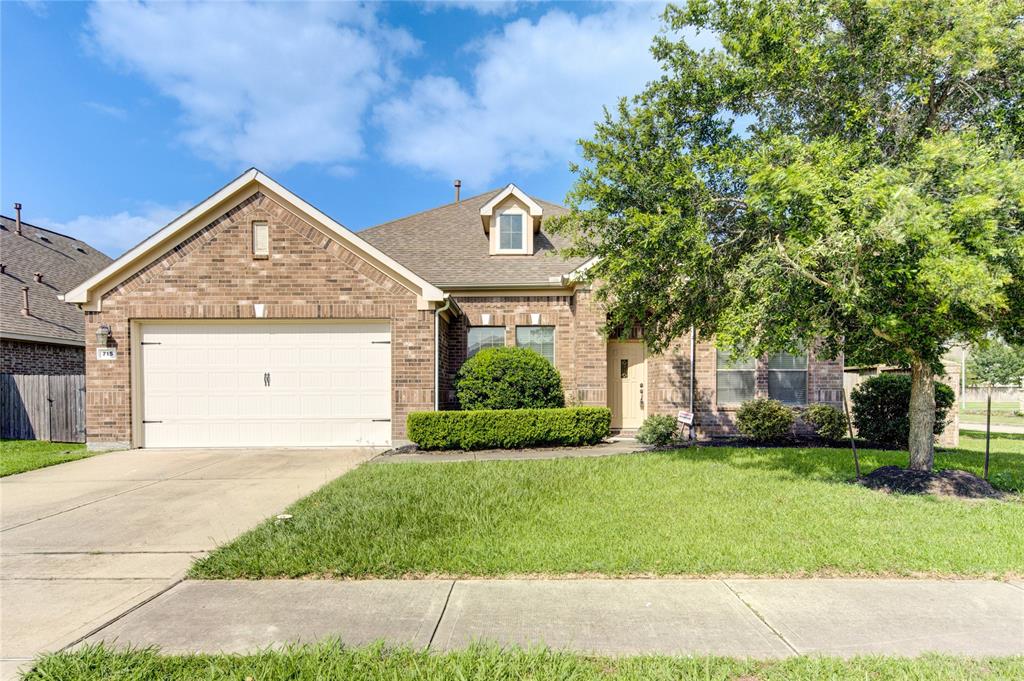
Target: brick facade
(26,357)
(213,275)
(581,357)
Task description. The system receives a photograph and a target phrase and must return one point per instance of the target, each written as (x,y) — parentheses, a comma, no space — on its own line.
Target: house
(255,319)
(40,334)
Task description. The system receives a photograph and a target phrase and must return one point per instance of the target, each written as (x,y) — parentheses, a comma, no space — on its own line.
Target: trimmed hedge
(508,428)
(881,409)
(508,378)
(764,420)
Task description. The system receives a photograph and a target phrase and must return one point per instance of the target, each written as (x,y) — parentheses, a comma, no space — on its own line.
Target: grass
(329,660)
(703,511)
(18,456)
(1003,413)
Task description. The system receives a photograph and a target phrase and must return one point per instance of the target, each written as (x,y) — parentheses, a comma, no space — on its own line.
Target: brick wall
(668,375)
(213,275)
(25,357)
(580,351)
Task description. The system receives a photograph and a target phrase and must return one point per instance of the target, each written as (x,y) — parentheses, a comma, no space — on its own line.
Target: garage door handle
(266,379)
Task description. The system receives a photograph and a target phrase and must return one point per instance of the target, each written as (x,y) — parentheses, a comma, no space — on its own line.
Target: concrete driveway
(84,542)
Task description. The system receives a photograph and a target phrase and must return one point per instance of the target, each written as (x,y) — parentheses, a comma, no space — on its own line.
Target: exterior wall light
(103,335)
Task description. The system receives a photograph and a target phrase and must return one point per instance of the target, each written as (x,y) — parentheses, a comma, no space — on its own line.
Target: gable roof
(64,262)
(447,246)
(90,292)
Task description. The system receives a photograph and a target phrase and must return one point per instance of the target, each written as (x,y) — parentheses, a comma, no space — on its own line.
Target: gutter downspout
(437,348)
(693,365)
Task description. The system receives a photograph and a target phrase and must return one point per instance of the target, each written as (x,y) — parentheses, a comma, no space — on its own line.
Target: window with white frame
(510,232)
(787,378)
(480,337)
(538,338)
(735,378)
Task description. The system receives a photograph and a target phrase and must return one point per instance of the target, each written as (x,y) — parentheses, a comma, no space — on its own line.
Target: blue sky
(118,116)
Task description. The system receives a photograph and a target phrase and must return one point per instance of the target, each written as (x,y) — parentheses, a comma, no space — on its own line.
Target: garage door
(265,384)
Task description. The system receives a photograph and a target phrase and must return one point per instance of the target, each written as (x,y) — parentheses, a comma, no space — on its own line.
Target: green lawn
(375,663)
(1003,413)
(700,511)
(18,456)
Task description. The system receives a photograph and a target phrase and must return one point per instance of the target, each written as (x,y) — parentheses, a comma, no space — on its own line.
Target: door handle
(266,379)
(641,394)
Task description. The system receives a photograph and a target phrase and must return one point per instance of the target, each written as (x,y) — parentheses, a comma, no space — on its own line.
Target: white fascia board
(511,190)
(580,272)
(83,293)
(80,294)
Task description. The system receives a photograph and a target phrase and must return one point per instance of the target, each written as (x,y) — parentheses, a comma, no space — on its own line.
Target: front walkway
(735,617)
(83,542)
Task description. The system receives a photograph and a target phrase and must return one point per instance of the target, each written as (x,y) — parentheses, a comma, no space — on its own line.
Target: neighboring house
(255,319)
(40,334)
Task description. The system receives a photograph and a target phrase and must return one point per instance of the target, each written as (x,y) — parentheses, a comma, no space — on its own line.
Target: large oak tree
(843,170)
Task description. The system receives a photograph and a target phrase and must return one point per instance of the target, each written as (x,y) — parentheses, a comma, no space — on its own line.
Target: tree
(996,362)
(844,170)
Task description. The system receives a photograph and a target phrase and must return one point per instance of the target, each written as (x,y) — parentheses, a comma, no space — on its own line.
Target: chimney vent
(3,268)
(24,304)
(458,192)
(38,276)
(17,218)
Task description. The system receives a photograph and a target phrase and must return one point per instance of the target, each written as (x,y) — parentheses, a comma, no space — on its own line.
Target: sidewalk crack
(760,617)
(444,609)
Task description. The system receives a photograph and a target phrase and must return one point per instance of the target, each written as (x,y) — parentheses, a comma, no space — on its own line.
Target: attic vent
(79,249)
(43,238)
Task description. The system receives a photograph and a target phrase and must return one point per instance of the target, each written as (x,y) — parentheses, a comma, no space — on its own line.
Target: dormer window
(510,221)
(510,232)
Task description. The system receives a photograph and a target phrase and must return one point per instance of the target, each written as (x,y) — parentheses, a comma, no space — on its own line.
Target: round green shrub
(508,378)
(827,421)
(657,429)
(764,420)
(881,409)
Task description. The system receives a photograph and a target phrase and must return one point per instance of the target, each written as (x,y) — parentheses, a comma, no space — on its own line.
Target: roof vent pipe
(458,192)
(38,276)
(3,268)
(17,216)
(24,304)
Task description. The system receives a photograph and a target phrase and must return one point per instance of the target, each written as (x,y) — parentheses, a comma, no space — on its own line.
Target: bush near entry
(508,378)
(764,420)
(881,409)
(657,429)
(509,428)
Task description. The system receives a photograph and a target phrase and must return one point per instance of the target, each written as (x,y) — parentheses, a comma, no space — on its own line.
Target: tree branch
(807,274)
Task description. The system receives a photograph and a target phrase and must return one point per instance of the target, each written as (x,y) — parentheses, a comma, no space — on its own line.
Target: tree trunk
(922,416)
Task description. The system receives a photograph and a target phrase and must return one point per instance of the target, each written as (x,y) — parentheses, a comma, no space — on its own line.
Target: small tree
(873,196)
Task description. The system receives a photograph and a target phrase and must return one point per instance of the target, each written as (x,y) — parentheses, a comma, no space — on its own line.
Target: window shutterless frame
(533,337)
(735,380)
(787,378)
(480,337)
(510,232)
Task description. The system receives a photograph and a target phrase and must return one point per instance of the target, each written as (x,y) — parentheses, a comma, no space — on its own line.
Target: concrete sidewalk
(996,428)
(738,617)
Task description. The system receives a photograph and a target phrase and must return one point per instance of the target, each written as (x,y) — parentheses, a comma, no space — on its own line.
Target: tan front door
(627,373)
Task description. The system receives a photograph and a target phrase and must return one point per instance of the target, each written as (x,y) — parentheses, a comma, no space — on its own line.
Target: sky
(117,117)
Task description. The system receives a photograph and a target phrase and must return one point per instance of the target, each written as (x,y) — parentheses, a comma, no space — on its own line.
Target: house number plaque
(106,353)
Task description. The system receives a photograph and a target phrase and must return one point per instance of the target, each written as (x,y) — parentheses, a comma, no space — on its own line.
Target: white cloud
(108,110)
(538,87)
(114,234)
(495,7)
(271,85)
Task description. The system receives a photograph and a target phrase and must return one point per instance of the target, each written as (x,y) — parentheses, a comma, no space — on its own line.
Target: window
(787,378)
(735,378)
(510,232)
(538,338)
(481,337)
(261,239)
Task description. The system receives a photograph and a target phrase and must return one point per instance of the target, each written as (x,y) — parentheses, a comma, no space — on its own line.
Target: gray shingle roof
(447,247)
(64,263)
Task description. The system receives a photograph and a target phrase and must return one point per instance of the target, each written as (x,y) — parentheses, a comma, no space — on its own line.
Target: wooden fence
(42,407)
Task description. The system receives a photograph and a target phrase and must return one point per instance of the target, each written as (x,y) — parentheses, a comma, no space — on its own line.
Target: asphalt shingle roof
(64,263)
(447,247)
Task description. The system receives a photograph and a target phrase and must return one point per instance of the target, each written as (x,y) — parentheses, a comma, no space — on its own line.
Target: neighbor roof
(448,247)
(64,263)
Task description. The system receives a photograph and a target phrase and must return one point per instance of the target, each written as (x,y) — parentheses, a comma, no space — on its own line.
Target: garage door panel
(203,384)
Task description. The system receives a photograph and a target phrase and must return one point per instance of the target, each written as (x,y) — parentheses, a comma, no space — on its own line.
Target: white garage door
(265,384)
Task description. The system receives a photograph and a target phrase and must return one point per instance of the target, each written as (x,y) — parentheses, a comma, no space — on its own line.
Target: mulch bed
(949,482)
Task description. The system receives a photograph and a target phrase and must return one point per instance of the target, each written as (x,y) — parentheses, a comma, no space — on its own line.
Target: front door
(627,373)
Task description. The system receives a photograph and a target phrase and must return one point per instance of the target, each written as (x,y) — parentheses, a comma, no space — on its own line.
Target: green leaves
(876,200)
